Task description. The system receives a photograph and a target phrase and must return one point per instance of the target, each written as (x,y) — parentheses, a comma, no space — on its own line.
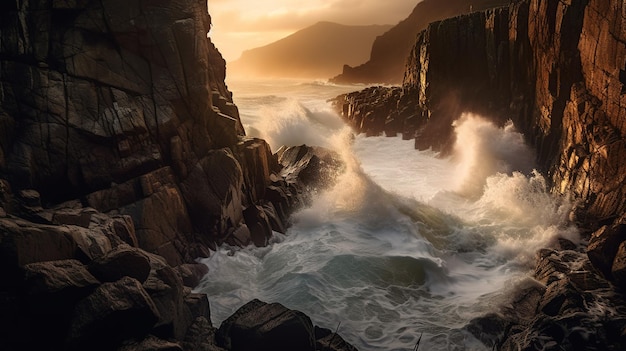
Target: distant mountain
(390,50)
(318,51)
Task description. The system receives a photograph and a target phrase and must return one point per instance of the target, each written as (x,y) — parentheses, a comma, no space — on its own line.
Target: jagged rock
(313,166)
(192,273)
(604,245)
(197,305)
(166,290)
(201,336)
(160,221)
(212,192)
(618,270)
(112,313)
(58,276)
(119,263)
(261,326)
(261,163)
(25,242)
(258,224)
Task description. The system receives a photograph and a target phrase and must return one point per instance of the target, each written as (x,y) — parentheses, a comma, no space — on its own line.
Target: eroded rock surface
(122,160)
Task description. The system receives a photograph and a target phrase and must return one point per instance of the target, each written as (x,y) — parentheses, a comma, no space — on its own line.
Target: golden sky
(240,25)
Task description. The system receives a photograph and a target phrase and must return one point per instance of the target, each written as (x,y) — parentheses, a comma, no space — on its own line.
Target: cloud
(244,24)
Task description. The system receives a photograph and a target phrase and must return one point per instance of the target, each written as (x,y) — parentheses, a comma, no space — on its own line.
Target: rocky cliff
(123,159)
(556,69)
(390,50)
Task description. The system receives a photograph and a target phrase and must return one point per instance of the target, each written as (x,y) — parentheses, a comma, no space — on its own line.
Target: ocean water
(406,243)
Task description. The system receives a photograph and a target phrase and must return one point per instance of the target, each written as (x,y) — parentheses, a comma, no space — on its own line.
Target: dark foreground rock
(569,307)
(264,327)
(122,160)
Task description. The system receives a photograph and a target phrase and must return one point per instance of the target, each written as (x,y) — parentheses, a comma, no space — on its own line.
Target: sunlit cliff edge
(556,69)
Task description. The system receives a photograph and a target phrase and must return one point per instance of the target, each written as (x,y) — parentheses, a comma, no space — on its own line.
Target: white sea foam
(398,246)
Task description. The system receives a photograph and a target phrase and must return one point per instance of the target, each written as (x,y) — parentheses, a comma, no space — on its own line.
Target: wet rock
(258,224)
(313,166)
(325,339)
(262,326)
(192,273)
(489,329)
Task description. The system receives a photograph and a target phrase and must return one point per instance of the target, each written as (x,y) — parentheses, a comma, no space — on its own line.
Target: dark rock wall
(122,160)
(123,105)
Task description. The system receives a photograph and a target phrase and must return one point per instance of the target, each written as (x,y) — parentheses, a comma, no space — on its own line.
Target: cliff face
(389,51)
(552,67)
(123,159)
(127,110)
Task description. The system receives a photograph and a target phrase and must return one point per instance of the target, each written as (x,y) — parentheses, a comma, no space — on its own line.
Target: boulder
(261,326)
(112,313)
(121,262)
(24,242)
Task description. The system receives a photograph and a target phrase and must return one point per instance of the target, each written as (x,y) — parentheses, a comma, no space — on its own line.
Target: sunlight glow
(272,20)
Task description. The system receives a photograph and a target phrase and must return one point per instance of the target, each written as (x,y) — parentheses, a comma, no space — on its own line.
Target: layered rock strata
(122,160)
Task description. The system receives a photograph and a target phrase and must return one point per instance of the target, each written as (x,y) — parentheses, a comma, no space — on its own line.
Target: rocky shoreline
(122,161)
(556,70)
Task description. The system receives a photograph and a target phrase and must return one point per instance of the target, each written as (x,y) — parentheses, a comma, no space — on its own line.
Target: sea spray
(482,149)
(396,248)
